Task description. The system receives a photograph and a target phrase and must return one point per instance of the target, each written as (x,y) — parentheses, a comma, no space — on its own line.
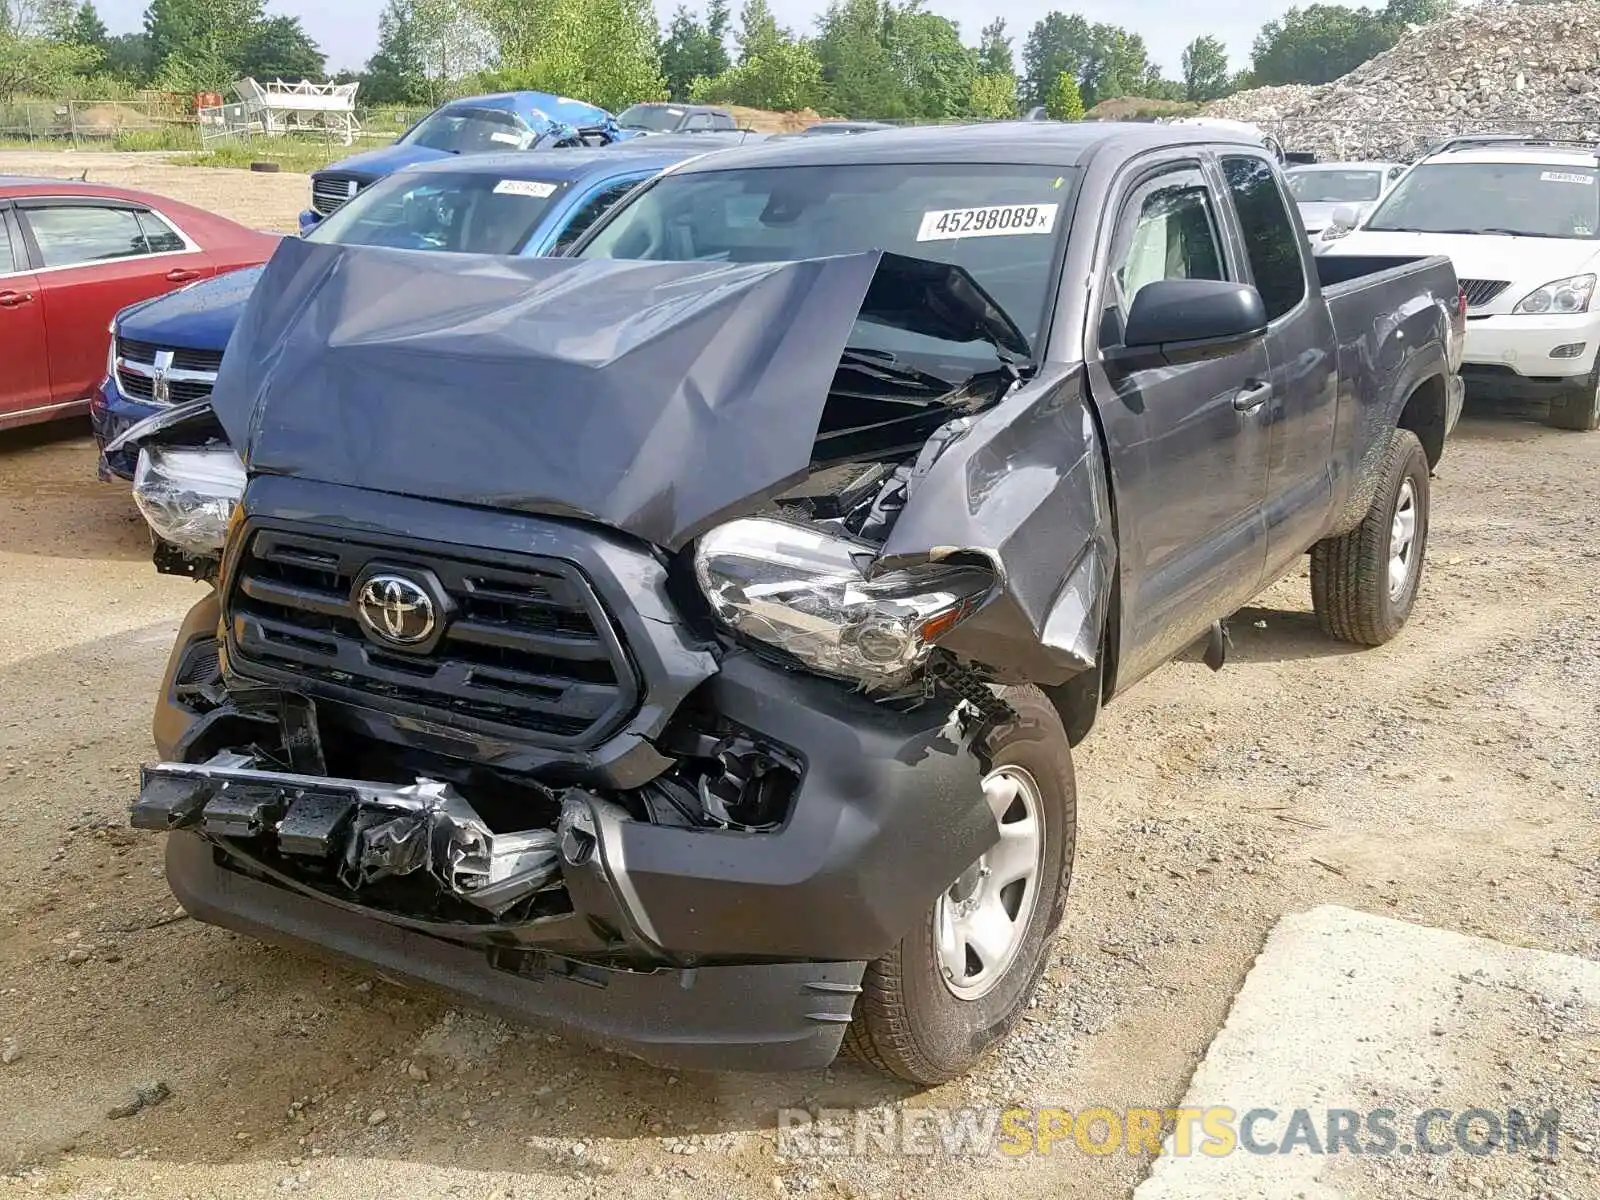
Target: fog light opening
(1570,350)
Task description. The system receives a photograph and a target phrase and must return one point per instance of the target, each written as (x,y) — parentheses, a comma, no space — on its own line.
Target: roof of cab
(1518,153)
(1046,143)
(557,166)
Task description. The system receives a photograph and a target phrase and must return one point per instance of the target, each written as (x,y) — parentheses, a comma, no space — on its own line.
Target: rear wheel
(1364,583)
(1578,408)
(956,984)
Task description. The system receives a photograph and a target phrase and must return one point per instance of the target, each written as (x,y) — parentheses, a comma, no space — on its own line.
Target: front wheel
(957,983)
(1364,583)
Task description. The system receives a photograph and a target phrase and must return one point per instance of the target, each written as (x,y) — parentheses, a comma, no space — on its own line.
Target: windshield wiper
(883,366)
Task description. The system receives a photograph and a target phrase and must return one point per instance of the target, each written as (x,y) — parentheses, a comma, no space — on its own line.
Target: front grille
(163,374)
(1482,291)
(526,643)
(183,358)
(329,191)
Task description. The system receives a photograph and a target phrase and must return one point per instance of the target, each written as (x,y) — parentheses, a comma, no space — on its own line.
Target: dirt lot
(259,200)
(1447,779)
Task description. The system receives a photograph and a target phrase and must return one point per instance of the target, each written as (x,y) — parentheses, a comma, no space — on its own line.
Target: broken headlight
(188,496)
(809,594)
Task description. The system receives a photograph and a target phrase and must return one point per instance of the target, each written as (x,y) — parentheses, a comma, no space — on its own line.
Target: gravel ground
(1446,779)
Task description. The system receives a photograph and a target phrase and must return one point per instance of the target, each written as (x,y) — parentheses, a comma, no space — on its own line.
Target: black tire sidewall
(1413,464)
(951,1032)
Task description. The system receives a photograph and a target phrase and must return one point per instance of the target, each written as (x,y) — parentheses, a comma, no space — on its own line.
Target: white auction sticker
(538,189)
(994,220)
(1566,177)
(506,138)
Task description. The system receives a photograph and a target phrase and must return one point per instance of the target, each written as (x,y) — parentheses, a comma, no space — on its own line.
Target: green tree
(693,50)
(1416,12)
(1059,44)
(1063,103)
(994,97)
(1116,65)
(787,78)
(129,57)
(205,35)
(758,30)
(994,50)
(87,27)
(54,19)
(34,54)
(857,65)
(1319,43)
(280,48)
(1205,69)
(394,74)
(605,51)
(933,68)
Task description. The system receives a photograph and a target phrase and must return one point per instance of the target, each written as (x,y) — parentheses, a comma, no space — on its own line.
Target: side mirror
(1346,216)
(1177,321)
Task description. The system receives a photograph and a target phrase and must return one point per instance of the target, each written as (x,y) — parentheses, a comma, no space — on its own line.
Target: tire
(265,167)
(1352,589)
(909,1020)
(1578,409)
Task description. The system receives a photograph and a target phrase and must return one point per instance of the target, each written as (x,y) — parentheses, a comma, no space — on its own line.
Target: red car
(72,255)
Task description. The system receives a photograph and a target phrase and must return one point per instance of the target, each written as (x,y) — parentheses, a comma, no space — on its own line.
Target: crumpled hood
(375,164)
(658,398)
(198,317)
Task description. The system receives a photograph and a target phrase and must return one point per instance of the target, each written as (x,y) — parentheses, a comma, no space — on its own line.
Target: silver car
(1320,188)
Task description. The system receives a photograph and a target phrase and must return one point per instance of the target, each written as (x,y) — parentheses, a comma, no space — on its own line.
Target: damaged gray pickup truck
(685,642)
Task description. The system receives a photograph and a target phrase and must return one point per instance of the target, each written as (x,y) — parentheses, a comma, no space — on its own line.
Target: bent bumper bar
(779,1017)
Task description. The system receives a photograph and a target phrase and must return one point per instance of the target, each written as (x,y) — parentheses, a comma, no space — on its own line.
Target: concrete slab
(1344,1010)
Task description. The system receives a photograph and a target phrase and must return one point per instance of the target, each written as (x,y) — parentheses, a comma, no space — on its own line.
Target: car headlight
(1569,295)
(1332,233)
(806,592)
(188,496)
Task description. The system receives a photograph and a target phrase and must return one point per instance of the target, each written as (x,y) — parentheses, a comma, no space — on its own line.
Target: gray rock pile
(1493,68)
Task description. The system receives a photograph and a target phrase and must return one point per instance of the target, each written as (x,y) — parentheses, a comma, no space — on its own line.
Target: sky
(347,29)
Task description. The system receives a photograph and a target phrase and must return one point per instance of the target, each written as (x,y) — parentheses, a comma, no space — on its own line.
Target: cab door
(1189,444)
(24,353)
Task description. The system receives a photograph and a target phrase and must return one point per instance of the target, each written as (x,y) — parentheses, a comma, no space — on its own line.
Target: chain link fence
(159,123)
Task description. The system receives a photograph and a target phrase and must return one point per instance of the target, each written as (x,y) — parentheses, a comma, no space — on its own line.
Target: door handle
(182,275)
(15,299)
(1248,399)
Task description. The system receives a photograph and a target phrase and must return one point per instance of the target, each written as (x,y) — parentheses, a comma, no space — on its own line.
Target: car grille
(526,643)
(328,192)
(165,375)
(1481,291)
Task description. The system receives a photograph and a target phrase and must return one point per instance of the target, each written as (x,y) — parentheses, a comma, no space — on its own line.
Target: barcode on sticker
(995,220)
(525,187)
(1566,177)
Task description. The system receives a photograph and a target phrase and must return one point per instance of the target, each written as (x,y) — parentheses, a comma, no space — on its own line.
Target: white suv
(1520,218)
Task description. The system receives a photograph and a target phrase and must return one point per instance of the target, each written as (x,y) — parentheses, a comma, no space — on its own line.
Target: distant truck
(686,640)
(474,125)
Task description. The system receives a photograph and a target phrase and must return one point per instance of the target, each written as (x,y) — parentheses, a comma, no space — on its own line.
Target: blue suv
(170,349)
(474,125)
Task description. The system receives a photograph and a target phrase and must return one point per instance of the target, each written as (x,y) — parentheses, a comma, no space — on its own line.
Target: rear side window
(8,261)
(163,238)
(68,236)
(1269,234)
(722,120)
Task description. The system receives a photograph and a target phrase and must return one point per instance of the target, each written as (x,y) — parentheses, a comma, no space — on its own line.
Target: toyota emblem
(396,610)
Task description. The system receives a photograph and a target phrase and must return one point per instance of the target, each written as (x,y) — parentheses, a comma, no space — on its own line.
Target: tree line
(887,59)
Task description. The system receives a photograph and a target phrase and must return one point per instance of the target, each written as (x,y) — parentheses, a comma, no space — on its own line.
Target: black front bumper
(685,946)
(770,1017)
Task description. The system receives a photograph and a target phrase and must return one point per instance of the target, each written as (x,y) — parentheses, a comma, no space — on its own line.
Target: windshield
(1001,223)
(1335,187)
(464,213)
(657,118)
(1527,199)
(471,131)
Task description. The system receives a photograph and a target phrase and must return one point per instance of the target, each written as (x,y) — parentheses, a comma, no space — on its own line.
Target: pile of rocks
(1492,68)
